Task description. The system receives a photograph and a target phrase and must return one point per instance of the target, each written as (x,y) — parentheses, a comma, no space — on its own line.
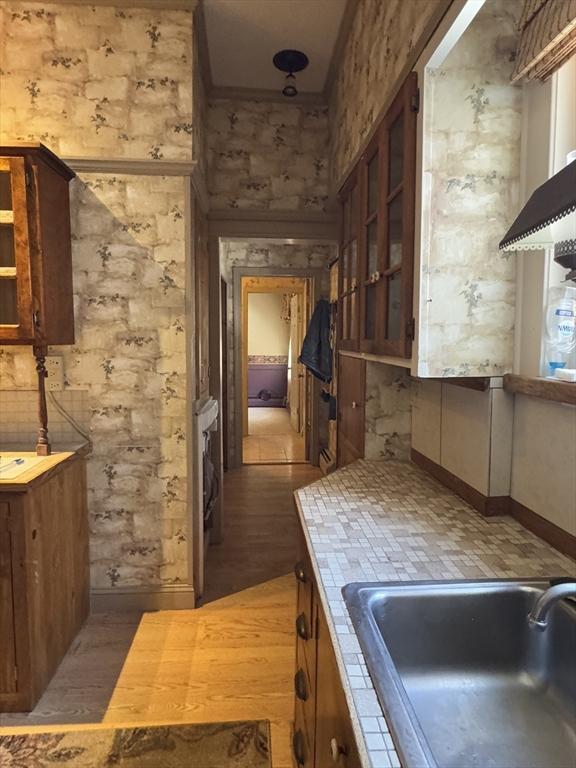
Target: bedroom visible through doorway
(275,312)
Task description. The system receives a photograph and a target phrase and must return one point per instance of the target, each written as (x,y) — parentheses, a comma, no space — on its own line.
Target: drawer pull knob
(300,685)
(298,748)
(302,627)
(300,573)
(336,750)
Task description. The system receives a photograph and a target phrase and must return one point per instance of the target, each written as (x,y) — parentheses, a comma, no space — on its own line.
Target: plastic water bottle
(560,329)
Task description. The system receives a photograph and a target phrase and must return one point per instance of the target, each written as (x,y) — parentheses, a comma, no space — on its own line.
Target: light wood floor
(230,660)
(271,438)
(260,527)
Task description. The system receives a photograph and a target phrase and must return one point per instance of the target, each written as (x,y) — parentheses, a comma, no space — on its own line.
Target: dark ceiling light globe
(290,61)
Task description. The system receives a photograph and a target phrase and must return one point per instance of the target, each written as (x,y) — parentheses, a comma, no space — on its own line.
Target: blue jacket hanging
(316,353)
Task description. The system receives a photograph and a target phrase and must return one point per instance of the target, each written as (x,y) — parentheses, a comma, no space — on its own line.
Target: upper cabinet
(377,236)
(36,301)
(433,193)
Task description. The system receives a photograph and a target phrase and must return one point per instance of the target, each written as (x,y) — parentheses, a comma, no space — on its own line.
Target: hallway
(260,527)
(271,438)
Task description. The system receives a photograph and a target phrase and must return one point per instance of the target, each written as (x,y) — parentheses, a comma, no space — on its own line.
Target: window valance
(547,38)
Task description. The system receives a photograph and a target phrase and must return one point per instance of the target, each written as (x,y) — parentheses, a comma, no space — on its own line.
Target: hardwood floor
(230,660)
(271,438)
(260,527)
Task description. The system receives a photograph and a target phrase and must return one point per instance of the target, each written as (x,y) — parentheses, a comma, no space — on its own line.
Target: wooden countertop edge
(545,389)
(34,477)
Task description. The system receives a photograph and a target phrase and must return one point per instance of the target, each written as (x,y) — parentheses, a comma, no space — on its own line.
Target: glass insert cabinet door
(349,265)
(386,180)
(16,306)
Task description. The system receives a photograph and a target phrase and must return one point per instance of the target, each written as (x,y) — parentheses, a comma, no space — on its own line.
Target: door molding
(315,276)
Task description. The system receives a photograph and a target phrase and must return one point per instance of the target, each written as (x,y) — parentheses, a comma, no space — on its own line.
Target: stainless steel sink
(463,680)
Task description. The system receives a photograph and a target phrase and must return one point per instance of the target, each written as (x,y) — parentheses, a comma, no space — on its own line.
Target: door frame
(315,276)
(279,284)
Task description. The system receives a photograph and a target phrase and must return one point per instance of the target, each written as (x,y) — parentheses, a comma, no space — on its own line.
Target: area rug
(211,745)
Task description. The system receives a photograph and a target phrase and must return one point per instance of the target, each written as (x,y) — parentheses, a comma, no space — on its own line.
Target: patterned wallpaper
(130,359)
(263,253)
(471,164)
(380,41)
(95,81)
(113,82)
(388,423)
(267,156)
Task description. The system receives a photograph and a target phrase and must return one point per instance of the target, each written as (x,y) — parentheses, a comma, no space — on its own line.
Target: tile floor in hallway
(271,438)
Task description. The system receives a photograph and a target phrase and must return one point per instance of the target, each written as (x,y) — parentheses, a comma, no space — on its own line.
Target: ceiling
(243,36)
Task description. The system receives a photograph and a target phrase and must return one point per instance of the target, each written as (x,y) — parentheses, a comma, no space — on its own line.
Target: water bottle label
(564,313)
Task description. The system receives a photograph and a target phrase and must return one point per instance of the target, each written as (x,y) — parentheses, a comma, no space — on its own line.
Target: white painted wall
(268,334)
(544,459)
(467,432)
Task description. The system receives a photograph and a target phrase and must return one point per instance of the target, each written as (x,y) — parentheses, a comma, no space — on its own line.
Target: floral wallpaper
(93,81)
(264,253)
(471,162)
(380,41)
(267,156)
(130,359)
(388,420)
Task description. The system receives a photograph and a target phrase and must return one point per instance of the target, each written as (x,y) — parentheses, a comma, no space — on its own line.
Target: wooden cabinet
(323,736)
(351,408)
(36,304)
(44,579)
(377,236)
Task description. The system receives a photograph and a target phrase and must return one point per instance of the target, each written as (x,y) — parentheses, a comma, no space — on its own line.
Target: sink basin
(462,678)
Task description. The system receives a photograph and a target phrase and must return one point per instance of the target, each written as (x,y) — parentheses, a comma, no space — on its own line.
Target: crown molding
(166,5)
(343,34)
(218,93)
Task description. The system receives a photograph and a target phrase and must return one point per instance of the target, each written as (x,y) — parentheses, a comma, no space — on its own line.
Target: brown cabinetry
(323,736)
(44,579)
(351,408)
(36,303)
(377,236)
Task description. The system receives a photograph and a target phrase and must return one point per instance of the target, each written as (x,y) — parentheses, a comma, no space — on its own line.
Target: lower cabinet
(44,580)
(351,408)
(323,735)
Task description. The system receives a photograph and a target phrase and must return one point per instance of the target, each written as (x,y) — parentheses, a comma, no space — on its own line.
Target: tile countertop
(390,521)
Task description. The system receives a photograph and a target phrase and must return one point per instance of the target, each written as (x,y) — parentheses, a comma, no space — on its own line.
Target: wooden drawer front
(303,738)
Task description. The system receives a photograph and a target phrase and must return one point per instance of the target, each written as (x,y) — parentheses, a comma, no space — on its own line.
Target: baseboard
(171,597)
(486,505)
(559,538)
(490,506)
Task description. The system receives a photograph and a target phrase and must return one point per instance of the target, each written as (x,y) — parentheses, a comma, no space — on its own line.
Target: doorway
(275,393)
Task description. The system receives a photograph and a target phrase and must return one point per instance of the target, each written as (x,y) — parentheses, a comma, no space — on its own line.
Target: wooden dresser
(44,574)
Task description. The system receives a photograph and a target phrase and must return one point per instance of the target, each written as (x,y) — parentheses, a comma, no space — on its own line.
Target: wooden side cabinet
(36,300)
(323,735)
(44,579)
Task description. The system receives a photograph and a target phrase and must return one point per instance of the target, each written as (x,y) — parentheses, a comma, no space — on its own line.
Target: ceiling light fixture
(290,61)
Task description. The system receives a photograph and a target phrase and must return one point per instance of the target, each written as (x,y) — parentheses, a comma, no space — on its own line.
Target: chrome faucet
(538,616)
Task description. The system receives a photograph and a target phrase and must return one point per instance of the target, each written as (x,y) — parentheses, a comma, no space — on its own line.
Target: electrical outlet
(55,370)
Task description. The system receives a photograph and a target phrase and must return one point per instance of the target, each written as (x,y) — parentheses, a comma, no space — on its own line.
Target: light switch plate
(55,370)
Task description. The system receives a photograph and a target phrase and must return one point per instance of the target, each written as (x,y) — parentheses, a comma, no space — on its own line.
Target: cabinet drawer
(303,737)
